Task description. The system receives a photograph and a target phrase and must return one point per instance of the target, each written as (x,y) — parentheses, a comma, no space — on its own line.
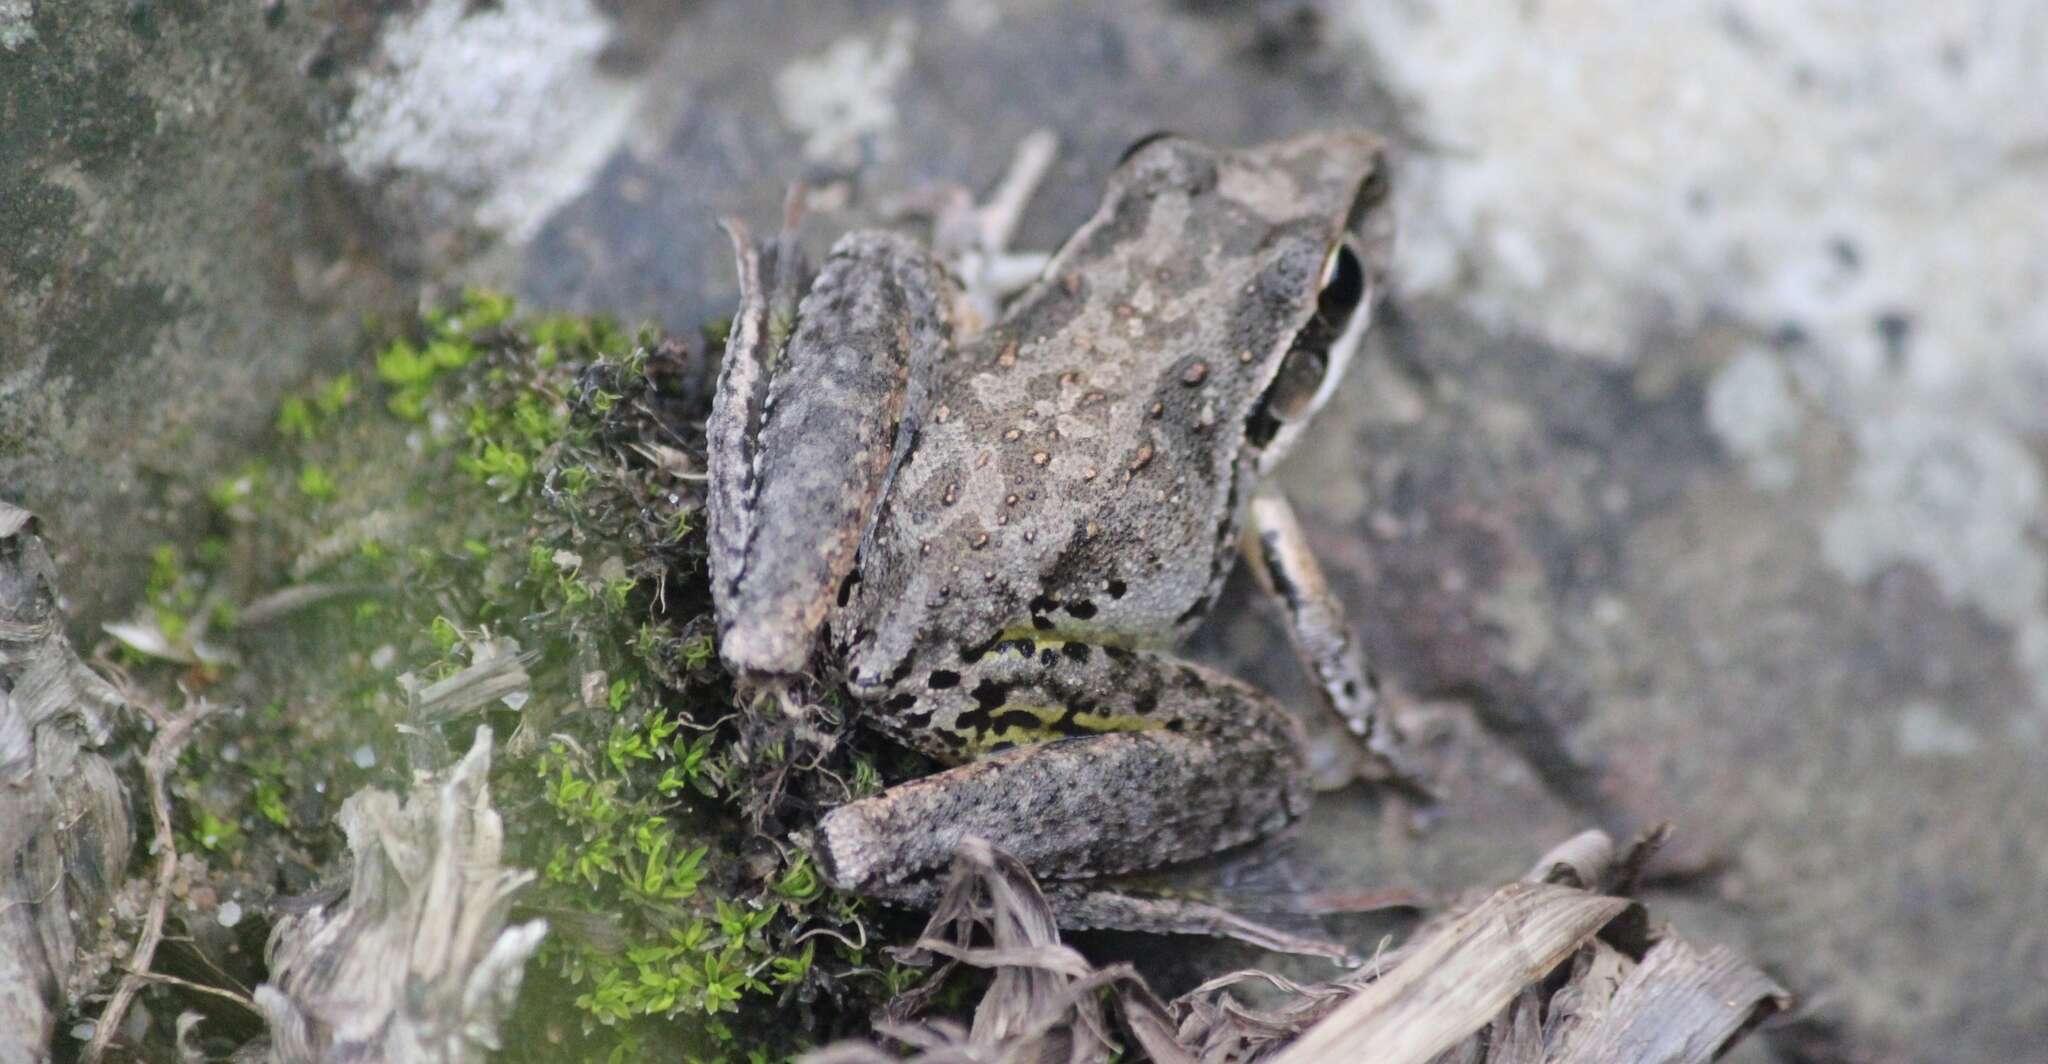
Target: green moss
(316,483)
(214,834)
(475,479)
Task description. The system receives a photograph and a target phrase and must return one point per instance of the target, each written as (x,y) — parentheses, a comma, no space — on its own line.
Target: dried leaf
(63,817)
(416,963)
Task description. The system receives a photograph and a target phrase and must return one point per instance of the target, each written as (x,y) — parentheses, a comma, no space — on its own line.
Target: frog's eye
(1142,143)
(1316,362)
(1343,285)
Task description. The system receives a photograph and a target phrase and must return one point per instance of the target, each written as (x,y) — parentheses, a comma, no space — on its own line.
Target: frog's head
(1300,234)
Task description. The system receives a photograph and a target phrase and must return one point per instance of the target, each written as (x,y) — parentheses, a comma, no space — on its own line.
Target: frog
(993,521)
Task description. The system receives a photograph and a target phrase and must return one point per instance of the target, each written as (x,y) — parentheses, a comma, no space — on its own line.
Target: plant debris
(173,731)
(416,963)
(1550,968)
(64,824)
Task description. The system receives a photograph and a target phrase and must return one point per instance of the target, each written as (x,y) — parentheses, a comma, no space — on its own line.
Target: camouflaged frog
(995,535)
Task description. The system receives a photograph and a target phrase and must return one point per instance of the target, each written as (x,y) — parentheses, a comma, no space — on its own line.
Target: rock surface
(1697,473)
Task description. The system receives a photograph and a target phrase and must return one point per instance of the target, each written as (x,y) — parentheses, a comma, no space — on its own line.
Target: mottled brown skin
(1061,501)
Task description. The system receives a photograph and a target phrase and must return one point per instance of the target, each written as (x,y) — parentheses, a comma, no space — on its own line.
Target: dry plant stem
(1679,1006)
(200,988)
(172,733)
(1451,985)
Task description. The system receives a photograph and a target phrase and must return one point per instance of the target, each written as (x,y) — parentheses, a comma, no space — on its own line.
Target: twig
(245,1002)
(172,733)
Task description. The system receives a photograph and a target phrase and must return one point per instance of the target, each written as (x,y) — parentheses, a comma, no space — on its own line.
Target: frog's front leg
(1278,553)
(1088,760)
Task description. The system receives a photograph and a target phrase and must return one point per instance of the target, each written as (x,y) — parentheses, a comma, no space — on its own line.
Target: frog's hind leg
(772,275)
(1126,760)
(803,436)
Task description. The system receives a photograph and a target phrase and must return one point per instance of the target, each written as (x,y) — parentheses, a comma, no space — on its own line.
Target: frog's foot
(1136,760)
(973,239)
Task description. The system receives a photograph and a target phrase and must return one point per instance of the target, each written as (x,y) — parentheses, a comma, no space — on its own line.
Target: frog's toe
(752,647)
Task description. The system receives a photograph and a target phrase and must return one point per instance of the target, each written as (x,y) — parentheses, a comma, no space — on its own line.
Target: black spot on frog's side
(1075,652)
(1014,718)
(942,679)
(989,695)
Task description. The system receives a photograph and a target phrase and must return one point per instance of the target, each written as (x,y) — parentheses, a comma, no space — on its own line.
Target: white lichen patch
(1954,498)
(1753,411)
(1861,179)
(1595,169)
(2030,649)
(842,100)
(1959,499)
(501,107)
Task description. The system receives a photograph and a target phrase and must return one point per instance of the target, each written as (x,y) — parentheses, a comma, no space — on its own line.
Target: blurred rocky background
(1696,472)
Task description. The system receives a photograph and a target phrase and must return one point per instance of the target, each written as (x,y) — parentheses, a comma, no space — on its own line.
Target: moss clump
(490,485)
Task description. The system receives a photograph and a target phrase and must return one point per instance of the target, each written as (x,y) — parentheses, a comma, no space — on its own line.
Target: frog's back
(1081,464)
